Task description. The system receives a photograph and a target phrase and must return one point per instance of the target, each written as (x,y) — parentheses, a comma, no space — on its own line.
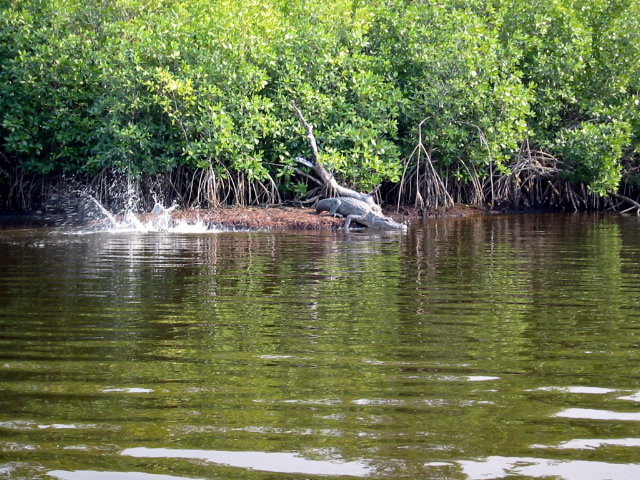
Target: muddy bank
(304,218)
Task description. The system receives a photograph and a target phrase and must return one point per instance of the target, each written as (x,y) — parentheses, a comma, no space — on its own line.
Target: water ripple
(506,467)
(264,461)
(593,414)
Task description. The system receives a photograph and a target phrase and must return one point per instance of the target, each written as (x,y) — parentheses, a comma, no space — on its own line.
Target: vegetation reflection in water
(469,348)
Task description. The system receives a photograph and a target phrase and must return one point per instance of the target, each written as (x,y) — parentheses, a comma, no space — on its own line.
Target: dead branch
(325,176)
(634,204)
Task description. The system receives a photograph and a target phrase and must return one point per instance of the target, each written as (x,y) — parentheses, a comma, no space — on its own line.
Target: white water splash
(161,224)
(103,210)
(159,220)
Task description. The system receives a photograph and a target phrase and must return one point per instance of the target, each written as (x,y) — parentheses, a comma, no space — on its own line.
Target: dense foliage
(202,89)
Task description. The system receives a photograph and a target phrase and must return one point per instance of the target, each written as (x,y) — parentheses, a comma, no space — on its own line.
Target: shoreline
(305,218)
(254,217)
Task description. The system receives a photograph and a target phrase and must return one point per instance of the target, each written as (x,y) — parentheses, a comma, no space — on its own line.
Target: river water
(469,348)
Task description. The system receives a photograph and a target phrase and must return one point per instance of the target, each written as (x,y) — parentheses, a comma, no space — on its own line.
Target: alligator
(366,214)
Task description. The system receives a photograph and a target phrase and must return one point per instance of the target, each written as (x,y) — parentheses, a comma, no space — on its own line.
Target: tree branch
(635,204)
(327,177)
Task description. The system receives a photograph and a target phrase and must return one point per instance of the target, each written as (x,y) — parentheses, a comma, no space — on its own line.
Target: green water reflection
(465,349)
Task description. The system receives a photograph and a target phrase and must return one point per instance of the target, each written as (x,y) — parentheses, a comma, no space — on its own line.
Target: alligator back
(344,206)
(367,214)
